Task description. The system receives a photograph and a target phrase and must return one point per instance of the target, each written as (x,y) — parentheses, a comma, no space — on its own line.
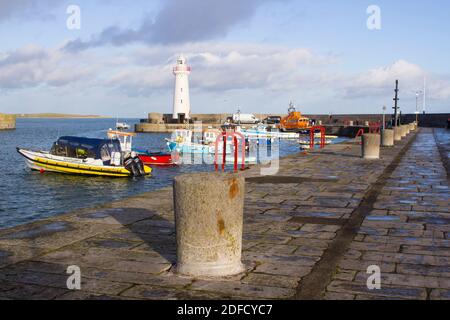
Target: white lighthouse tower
(181,100)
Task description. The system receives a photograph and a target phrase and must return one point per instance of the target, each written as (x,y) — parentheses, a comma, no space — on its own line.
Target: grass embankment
(58,116)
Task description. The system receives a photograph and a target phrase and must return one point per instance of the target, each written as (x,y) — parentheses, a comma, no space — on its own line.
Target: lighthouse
(181,100)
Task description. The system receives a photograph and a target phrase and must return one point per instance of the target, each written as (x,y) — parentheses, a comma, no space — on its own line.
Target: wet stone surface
(126,249)
(403,238)
(39,231)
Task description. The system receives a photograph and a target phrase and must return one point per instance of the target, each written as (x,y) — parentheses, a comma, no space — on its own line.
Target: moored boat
(159,158)
(305,142)
(147,157)
(125,139)
(122,126)
(294,121)
(85,156)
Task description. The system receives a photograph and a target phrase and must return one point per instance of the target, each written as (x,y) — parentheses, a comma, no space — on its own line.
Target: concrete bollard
(387,138)
(397,134)
(209,211)
(350,123)
(366,123)
(412,126)
(403,131)
(371,146)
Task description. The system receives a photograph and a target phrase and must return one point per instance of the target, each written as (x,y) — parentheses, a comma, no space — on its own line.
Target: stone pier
(310,232)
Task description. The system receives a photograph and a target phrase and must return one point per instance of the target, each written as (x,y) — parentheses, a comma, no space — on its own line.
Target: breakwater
(7,122)
(336,124)
(433,120)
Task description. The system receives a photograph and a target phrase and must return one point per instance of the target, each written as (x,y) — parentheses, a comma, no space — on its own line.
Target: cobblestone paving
(407,234)
(299,238)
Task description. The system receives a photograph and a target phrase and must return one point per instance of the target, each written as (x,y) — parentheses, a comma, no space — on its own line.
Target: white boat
(182,136)
(182,142)
(230,159)
(307,142)
(122,126)
(261,132)
(125,139)
(210,135)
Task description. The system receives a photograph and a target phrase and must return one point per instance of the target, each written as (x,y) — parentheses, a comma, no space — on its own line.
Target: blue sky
(255,54)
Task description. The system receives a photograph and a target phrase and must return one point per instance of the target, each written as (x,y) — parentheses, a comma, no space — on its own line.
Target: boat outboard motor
(133,164)
(138,163)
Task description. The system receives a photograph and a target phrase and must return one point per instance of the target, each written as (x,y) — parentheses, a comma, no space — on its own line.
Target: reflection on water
(27,196)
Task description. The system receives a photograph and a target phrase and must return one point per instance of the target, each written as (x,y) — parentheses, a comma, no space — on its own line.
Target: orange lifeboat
(294,121)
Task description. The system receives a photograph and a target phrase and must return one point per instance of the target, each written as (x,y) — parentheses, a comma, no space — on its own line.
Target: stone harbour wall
(7,121)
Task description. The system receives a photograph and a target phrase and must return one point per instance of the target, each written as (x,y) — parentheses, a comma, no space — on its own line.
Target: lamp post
(396,103)
(239,115)
(384,118)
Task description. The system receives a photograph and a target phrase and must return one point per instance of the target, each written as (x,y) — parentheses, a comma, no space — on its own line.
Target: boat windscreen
(76,147)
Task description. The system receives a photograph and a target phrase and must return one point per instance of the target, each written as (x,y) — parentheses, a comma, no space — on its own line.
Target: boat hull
(44,162)
(157,159)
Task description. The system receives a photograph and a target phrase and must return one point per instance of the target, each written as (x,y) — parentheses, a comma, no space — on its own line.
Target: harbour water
(27,196)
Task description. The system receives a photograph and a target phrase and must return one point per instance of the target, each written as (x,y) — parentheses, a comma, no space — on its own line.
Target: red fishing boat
(158,159)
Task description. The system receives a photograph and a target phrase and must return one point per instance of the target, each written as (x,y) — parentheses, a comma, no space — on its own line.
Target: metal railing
(235,136)
(312,136)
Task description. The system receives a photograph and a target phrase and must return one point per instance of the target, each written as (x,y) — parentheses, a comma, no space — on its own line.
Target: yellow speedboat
(85,156)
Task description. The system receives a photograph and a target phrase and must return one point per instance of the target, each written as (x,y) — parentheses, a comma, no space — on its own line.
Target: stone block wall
(7,121)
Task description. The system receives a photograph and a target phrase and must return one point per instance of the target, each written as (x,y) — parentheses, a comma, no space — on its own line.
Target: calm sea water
(27,196)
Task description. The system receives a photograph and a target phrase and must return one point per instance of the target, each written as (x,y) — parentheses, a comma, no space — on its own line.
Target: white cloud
(141,71)
(178,21)
(217,67)
(223,66)
(33,66)
(380,81)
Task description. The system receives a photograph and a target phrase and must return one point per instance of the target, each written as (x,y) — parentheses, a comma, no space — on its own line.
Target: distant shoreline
(58,116)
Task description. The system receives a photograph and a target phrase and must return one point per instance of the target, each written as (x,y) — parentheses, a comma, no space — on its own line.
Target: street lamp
(384,118)
(239,115)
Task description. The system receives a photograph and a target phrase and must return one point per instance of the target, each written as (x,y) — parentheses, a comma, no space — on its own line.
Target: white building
(181,100)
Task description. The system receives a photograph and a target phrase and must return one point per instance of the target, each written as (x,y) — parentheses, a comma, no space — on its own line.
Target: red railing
(235,136)
(360,133)
(312,136)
